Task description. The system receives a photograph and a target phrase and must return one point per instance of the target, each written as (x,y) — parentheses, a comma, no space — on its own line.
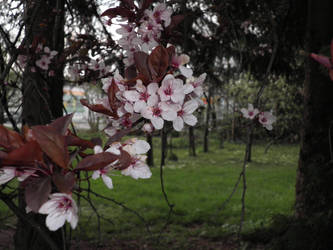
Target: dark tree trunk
(191,141)
(164,144)
(314,176)
(233,124)
(208,111)
(314,196)
(150,153)
(249,146)
(42,101)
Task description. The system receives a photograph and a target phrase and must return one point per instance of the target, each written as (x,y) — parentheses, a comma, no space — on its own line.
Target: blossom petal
(107,181)
(178,124)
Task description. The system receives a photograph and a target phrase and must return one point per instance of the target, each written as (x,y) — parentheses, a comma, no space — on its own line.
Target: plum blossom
(250,112)
(9,173)
(194,86)
(171,89)
(184,114)
(148,128)
(267,119)
(138,168)
(160,13)
(142,96)
(159,113)
(44,62)
(114,149)
(59,209)
(178,62)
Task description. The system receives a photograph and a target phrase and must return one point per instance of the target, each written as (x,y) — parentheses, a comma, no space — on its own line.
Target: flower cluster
(145,36)
(43,57)
(266,119)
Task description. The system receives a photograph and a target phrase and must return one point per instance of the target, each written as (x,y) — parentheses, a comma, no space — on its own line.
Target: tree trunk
(164,144)
(42,101)
(314,196)
(191,141)
(249,146)
(208,110)
(233,125)
(150,153)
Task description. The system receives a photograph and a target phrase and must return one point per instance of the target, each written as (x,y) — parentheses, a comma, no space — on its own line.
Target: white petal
(178,124)
(141,147)
(152,100)
(187,72)
(139,105)
(157,122)
(190,106)
(6,175)
(190,120)
(169,115)
(74,220)
(132,95)
(48,207)
(107,181)
(55,221)
(152,88)
(96,174)
(98,149)
(188,88)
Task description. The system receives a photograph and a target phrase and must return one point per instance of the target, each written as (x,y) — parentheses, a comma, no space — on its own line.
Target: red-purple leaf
(98,108)
(113,89)
(73,140)
(9,139)
(175,21)
(53,144)
(124,161)
(158,62)
(64,183)
(96,161)
(141,63)
(37,192)
(130,72)
(324,60)
(61,124)
(118,11)
(24,156)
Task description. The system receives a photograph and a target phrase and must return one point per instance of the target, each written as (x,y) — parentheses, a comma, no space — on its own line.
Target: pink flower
(44,62)
(267,119)
(178,62)
(171,89)
(157,114)
(138,168)
(194,86)
(185,115)
(148,128)
(9,173)
(59,209)
(160,13)
(250,112)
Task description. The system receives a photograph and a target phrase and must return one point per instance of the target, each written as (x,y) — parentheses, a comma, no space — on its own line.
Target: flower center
(156,112)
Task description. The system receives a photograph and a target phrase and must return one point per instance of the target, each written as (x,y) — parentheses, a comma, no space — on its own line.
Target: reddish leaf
(96,161)
(37,192)
(9,139)
(124,161)
(324,60)
(130,72)
(27,134)
(118,11)
(64,183)
(24,156)
(175,21)
(141,63)
(53,144)
(98,108)
(113,89)
(158,62)
(171,51)
(73,140)
(61,124)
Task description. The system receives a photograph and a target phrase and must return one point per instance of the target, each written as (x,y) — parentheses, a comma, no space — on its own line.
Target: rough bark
(191,141)
(208,111)
(150,153)
(42,102)
(314,196)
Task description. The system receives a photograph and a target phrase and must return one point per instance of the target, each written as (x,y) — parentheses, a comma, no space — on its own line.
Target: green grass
(197,186)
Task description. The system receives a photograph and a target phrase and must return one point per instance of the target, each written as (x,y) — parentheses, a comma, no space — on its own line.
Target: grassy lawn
(197,186)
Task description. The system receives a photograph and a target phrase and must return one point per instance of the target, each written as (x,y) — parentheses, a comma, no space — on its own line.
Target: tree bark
(42,102)
(150,153)
(208,110)
(314,196)
(191,141)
